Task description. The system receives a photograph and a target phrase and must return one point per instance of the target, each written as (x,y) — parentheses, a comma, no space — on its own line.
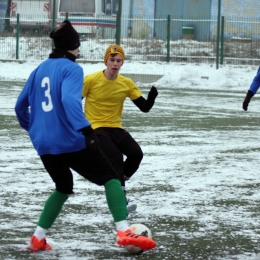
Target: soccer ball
(141,230)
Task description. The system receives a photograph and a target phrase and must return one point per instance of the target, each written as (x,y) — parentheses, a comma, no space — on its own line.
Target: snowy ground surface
(197,187)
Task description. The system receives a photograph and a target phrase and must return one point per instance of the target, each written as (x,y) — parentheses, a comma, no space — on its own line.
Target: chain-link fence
(24,36)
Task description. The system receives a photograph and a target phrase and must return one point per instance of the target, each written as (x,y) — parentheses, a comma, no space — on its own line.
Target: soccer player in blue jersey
(252,90)
(49,108)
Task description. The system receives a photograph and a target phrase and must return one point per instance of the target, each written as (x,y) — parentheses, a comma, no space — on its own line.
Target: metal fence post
(17,35)
(218,33)
(168,37)
(54,17)
(118,22)
(222,40)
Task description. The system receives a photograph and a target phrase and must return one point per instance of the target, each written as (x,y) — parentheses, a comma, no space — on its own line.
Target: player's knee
(139,155)
(65,190)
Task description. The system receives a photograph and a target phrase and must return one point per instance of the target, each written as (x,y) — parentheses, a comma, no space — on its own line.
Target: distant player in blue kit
(252,90)
(50,108)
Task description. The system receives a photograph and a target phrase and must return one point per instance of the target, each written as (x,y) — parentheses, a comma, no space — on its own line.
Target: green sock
(116,200)
(52,209)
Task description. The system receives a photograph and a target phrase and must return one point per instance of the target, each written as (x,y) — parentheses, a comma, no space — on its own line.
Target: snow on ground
(201,163)
(174,75)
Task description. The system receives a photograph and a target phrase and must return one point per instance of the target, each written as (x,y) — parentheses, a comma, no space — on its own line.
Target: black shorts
(116,142)
(95,168)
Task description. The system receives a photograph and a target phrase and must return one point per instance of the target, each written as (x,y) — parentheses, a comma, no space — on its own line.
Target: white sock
(40,233)
(122,225)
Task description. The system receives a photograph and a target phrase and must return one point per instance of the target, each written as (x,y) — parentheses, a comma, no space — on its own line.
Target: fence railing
(143,39)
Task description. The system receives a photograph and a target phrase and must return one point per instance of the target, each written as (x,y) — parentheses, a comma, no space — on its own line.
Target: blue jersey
(256,82)
(50,107)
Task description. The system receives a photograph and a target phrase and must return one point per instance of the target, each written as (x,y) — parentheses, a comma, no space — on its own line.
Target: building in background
(185,15)
(236,14)
(197,19)
(190,19)
(141,23)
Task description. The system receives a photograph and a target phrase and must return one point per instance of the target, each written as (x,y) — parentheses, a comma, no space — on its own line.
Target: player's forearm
(143,104)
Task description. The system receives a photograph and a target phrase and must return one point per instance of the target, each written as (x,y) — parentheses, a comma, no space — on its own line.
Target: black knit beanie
(65,37)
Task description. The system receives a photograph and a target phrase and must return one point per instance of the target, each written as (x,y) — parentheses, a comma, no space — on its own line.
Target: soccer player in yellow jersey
(105,93)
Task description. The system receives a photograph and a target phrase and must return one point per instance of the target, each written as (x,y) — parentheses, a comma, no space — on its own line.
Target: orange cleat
(127,238)
(36,245)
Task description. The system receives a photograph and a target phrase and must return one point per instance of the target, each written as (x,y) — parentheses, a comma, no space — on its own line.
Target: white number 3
(47,106)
